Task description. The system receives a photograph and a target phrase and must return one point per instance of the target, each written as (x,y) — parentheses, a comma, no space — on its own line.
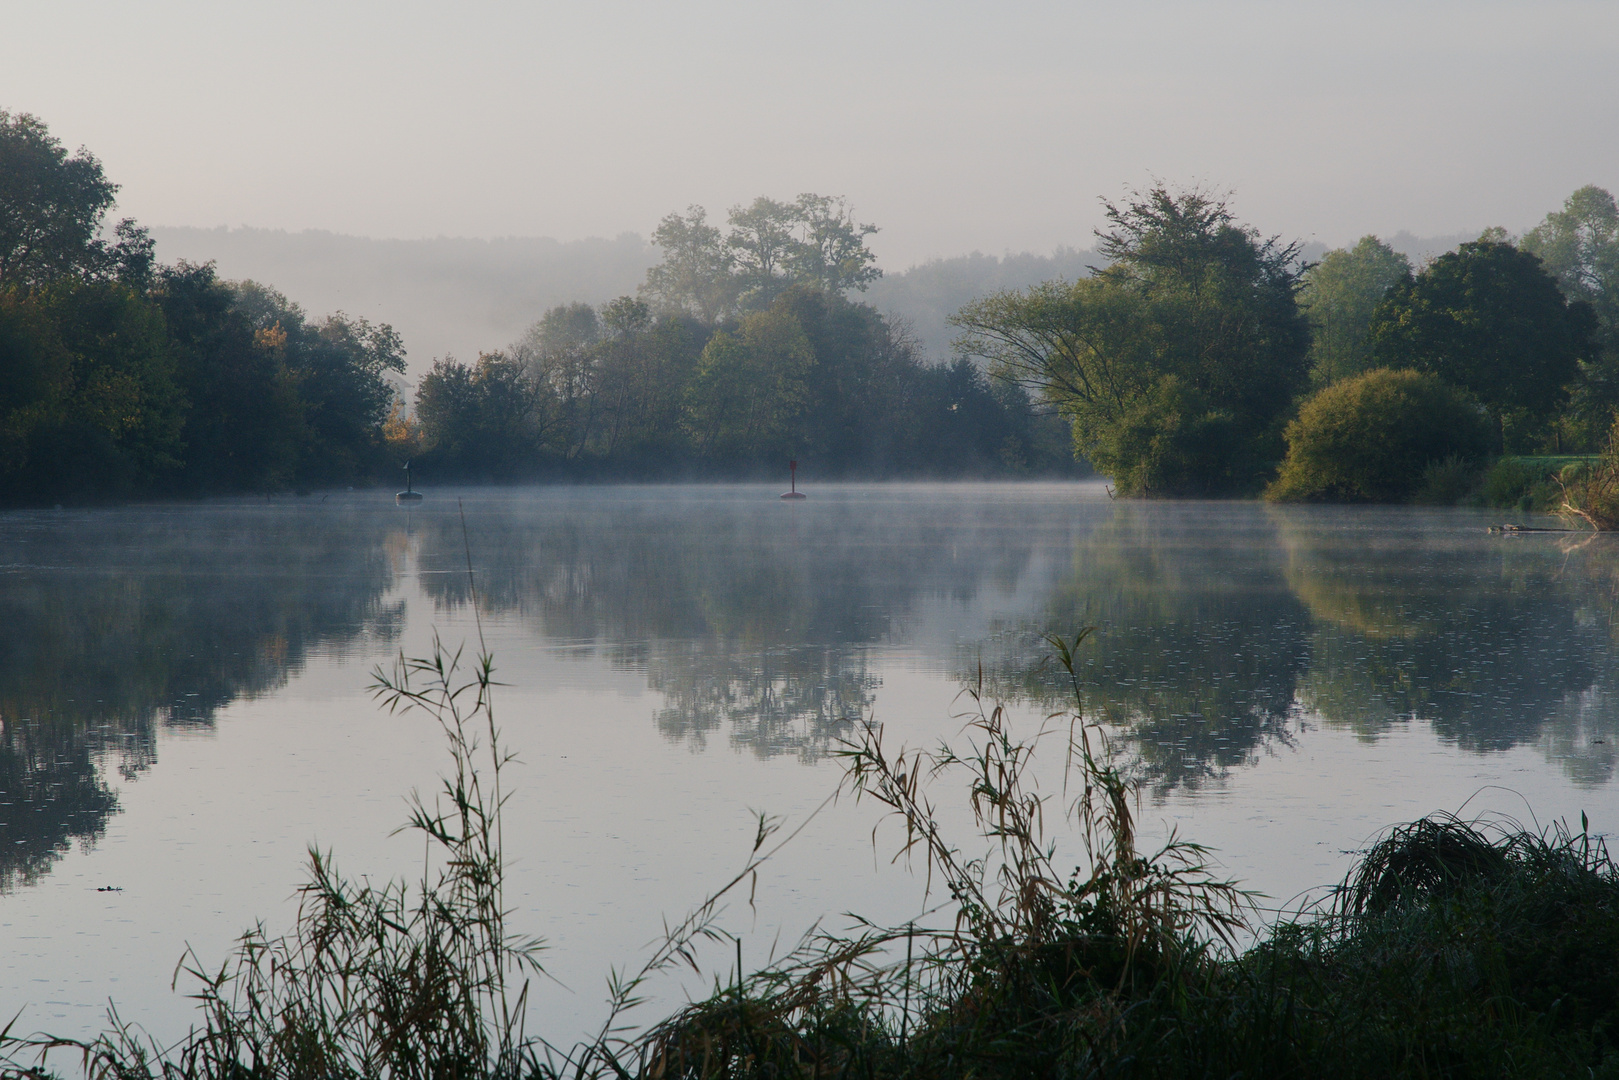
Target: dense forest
(1197,357)
(741,350)
(1207,359)
(121,377)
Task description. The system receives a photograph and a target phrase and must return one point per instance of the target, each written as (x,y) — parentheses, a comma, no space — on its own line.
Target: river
(183,694)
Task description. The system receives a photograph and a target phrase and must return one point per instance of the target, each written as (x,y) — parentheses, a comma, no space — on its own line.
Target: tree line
(1200,358)
(120,377)
(1206,359)
(741,350)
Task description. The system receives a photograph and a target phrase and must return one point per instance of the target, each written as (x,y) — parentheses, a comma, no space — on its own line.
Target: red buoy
(795,493)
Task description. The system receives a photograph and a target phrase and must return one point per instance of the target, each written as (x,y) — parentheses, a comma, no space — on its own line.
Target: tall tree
(566,326)
(341,368)
(1338,296)
(831,251)
(855,385)
(764,247)
(244,424)
(559,353)
(490,419)
(746,397)
(1579,246)
(696,274)
(769,247)
(51,211)
(104,415)
(1489,319)
(1191,338)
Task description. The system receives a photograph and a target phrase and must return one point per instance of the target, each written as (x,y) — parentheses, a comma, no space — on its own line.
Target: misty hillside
(446,296)
(925,295)
(455,296)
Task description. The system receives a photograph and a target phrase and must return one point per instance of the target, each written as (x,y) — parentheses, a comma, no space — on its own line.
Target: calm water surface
(183,704)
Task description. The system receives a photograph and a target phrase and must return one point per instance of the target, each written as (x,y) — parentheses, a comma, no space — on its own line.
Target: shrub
(1590,491)
(1445,483)
(1508,482)
(1368,439)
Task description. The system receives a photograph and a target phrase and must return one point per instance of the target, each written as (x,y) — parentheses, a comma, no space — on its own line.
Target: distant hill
(446,295)
(927,294)
(452,296)
(458,296)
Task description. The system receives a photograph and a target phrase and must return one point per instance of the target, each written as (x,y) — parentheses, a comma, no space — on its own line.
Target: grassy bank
(1452,948)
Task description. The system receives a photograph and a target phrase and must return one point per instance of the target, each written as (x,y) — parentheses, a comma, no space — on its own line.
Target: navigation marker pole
(795,493)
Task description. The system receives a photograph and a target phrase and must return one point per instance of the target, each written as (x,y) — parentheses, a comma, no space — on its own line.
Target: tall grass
(372,980)
(1452,948)
(1590,491)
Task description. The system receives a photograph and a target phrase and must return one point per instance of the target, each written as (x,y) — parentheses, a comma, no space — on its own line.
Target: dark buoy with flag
(410,494)
(795,493)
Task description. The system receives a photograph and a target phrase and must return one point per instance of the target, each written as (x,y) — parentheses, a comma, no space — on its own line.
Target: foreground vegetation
(1452,949)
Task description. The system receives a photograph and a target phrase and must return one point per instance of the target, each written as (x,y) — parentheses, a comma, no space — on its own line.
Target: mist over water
(182,691)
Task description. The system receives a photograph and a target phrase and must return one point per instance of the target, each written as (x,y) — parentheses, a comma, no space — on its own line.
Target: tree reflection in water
(751,618)
(1223,627)
(1199,642)
(120,623)
(1494,643)
(783,701)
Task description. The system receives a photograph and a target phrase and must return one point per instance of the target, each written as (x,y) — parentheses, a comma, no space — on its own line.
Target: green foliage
(771,246)
(1338,296)
(339,367)
(1446,481)
(567,326)
(813,376)
(1489,319)
(695,277)
(750,388)
(119,377)
(1370,438)
(1589,491)
(1168,442)
(1579,246)
(1459,952)
(244,428)
(94,408)
(1507,482)
(489,419)
(51,205)
(1529,483)
(1194,323)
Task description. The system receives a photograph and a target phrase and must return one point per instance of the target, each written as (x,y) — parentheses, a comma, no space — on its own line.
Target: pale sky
(953,126)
